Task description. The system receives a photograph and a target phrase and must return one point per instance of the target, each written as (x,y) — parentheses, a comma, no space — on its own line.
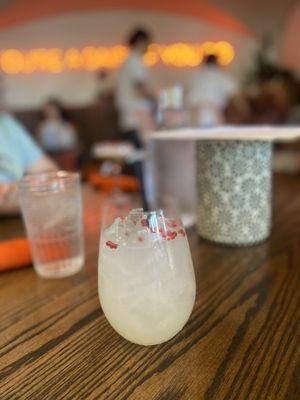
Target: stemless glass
(146,277)
(52,210)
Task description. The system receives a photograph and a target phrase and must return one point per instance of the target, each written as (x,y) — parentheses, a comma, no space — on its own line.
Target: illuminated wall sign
(13,61)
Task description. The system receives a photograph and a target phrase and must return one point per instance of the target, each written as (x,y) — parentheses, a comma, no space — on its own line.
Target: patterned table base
(234,191)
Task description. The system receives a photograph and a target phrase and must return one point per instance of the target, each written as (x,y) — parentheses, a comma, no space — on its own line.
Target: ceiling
(259,16)
(263,16)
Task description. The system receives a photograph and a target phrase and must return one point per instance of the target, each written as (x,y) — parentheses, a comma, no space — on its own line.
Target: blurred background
(60,61)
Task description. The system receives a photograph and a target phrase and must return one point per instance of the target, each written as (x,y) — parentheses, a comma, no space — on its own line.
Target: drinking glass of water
(146,276)
(52,210)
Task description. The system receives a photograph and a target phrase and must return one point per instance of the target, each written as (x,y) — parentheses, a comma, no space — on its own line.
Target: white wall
(105,28)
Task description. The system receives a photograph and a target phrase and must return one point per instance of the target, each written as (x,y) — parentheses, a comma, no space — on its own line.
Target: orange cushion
(125,182)
(14,253)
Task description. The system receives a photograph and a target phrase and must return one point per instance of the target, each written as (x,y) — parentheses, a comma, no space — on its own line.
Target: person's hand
(5,191)
(8,198)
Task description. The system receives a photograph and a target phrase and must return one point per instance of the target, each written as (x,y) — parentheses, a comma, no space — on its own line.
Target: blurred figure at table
(19,154)
(210,89)
(57,135)
(135,97)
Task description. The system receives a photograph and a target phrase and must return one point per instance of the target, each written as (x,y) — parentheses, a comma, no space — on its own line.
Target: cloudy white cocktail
(146,277)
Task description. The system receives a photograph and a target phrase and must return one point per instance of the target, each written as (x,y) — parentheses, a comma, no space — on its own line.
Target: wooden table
(241,342)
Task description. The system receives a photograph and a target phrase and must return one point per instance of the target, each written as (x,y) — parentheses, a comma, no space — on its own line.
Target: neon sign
(55,60)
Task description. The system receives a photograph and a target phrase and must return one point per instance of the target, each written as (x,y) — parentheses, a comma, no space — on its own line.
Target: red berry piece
(111,244)
(181,232)
(171,235)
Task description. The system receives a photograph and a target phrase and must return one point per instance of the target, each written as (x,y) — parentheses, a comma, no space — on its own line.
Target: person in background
(56,133)
(19,155)
(134,94)
(209,91)
(135,98)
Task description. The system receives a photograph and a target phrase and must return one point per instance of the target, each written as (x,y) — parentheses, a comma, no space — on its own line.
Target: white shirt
(132,107)
(57,136)
(210,89)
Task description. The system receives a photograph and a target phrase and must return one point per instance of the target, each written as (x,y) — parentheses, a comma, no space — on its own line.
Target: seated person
(18,155)
(56,133)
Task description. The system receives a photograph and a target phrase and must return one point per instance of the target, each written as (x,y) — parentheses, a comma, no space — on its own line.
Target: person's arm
(43,164)
(32,160)
(9,203)
(8,199)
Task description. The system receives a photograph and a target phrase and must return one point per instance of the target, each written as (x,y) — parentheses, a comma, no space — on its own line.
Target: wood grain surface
(241,342)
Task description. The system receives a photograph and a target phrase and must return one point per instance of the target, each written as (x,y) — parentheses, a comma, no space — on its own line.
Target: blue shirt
(17,149)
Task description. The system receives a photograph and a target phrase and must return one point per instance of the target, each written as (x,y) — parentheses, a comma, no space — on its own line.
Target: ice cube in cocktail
(146,277)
